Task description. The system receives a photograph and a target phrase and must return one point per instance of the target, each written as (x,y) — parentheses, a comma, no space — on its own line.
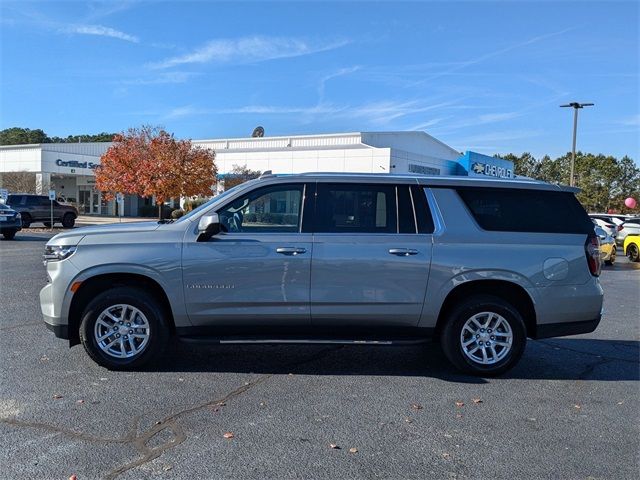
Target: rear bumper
(563,329)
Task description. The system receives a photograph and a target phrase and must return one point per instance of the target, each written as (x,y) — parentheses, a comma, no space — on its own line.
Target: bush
(177,213)
(152,211)
(193,204)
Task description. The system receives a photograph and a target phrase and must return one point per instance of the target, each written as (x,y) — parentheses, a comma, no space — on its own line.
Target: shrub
(177,213)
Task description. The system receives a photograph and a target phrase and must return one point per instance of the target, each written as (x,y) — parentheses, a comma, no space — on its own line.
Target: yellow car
(631,247)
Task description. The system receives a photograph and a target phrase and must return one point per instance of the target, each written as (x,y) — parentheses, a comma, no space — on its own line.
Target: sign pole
(52,197)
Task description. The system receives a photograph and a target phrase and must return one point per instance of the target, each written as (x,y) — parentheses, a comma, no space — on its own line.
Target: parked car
(10,222)
(607,225)
(630,227)
(631,247)
(478,264)
(37,208)
(607,247)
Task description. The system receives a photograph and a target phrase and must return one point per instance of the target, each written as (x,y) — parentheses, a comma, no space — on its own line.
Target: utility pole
(576,106)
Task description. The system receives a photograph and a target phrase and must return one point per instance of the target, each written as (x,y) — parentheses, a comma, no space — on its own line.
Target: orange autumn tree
(148,161)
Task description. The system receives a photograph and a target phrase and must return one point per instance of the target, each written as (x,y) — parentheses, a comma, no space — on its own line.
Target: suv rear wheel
(632,252)
(484,336)
(69,220)
(9,234)
(124,328)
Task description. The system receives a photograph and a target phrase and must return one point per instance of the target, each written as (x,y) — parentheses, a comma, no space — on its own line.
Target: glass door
(84,201)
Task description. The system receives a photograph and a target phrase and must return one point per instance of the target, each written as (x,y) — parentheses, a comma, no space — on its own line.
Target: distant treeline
(605,181)
(22,136)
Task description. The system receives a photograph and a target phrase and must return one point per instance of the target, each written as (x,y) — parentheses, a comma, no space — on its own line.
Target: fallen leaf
(477,400)
(228,435)
(458,415)
(79,401)
(334,446)
(353,450)
(417,406)
(408,420)
(166,468)
(446,455)
(262,404)
(221,404)
(577,407)
(73,477)
(181,379)
(158,422)
(57,396)
(448,436)
(459,404)
(620,403)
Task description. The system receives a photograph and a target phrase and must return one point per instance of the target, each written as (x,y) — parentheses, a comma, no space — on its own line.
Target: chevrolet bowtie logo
(478,167)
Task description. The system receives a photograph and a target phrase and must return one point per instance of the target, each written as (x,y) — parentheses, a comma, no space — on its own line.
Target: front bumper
(53,322)
(11,224)
(60,331)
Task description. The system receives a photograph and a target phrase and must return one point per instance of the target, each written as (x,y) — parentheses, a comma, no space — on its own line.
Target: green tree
(22,136)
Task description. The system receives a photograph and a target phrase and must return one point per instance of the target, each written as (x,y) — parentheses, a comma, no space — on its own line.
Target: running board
(302,341)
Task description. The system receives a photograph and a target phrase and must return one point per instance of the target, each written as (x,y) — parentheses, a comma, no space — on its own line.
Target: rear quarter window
(519,210)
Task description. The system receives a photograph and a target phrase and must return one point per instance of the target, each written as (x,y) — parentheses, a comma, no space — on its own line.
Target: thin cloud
(338,73)
(162,78)
(100,30)
(249,49)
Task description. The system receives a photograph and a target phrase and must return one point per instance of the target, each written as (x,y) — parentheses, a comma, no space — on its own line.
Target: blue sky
(484,76)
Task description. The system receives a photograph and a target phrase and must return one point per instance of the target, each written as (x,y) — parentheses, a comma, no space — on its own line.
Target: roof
(432,181)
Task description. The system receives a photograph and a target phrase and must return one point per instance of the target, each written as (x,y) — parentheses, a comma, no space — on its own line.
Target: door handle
(290,250)
(403,252)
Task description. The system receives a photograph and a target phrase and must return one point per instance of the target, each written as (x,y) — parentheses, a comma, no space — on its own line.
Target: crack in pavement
(22,325)
(169,423)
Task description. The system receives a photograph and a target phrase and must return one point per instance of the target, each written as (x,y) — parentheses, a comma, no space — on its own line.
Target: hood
(73,237)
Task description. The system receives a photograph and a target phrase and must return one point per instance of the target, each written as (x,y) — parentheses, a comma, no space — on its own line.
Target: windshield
(217,198)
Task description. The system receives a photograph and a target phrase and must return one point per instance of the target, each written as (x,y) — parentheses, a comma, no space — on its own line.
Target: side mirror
(208,226)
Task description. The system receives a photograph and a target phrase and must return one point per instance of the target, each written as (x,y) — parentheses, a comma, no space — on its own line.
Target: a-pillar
(43,183)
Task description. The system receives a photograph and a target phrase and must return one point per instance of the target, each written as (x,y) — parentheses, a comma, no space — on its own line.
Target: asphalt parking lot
(570,409)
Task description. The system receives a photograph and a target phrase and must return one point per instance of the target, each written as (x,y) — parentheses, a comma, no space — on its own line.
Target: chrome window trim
(436,214)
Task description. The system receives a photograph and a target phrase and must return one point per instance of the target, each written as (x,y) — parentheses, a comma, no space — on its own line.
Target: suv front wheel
(484,335)
(124,328)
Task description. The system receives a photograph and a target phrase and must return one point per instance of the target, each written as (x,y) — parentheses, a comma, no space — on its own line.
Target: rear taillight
(592,251)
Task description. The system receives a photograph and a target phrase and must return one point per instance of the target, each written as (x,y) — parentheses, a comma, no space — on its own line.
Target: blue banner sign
(477,165)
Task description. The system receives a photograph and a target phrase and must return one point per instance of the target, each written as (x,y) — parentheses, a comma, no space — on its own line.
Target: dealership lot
(570,409)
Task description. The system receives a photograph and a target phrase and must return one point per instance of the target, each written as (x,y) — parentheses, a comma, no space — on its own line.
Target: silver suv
(343,258)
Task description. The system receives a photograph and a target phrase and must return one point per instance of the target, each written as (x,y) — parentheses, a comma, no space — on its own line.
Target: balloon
(630,202)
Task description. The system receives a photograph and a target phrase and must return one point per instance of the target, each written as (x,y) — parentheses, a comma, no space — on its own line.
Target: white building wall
(20,158)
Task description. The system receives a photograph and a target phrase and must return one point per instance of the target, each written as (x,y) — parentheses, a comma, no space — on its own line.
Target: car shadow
(553,359)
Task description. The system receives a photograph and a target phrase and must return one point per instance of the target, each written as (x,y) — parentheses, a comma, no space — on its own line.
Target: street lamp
(576,106)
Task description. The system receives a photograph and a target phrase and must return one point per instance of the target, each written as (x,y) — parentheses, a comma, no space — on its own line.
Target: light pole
(576,106)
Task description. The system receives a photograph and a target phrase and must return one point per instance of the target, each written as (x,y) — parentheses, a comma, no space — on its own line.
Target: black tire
(150,308)
(26,220)
(47,224)
(69,220)
(9,234)
(452,330)
(612,259)
(632,252)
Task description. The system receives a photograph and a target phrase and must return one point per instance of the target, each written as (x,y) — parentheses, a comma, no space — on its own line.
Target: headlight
(54,253)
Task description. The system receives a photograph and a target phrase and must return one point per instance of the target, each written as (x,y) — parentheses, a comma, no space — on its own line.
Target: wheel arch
(511,292)
(96,284)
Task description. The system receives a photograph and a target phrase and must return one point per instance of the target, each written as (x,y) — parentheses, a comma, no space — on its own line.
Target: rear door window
(521,210)
(356,208)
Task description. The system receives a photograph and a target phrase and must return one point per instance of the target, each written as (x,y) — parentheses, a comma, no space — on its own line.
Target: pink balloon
(630,202)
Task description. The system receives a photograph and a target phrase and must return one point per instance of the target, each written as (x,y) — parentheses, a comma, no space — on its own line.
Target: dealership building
(69,168)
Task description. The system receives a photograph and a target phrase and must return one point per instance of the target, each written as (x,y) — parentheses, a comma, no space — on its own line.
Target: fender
(435,297)
(176,295)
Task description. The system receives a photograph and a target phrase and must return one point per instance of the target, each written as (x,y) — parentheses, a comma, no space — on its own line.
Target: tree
(150,162)
(239,174)
(22,136)
(19,182)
